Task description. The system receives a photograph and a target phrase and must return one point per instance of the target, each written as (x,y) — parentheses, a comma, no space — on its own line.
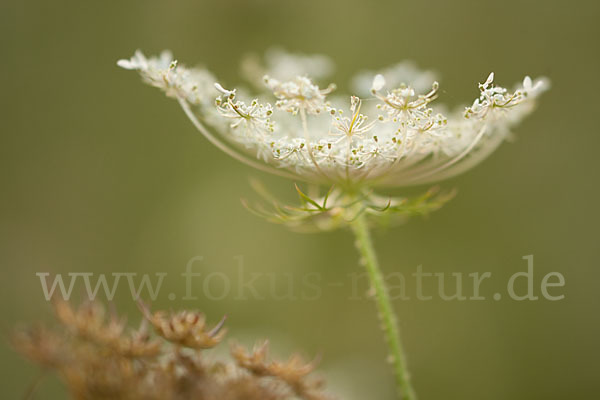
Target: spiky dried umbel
(98,359)
(294,372)
(186,328)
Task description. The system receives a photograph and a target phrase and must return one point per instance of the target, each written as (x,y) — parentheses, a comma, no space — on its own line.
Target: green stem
(384,307)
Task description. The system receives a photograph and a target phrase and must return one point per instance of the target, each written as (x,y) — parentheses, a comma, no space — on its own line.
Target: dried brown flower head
(98,357)
(186,328)
(294,372)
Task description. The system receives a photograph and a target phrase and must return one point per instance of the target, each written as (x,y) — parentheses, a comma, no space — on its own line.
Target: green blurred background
(102,174)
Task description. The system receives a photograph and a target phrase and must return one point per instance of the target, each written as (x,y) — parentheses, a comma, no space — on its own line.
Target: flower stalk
(389,323)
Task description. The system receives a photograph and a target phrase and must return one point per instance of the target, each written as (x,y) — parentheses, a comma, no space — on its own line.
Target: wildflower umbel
(390,135)
(384,136)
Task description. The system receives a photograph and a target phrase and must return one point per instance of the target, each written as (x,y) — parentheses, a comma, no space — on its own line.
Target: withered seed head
(98,359)
(185,328)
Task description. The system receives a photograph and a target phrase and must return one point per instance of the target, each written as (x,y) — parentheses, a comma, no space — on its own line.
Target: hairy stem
(384,307)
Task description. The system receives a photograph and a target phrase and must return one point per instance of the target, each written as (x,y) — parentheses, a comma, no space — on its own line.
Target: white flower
(254,117)
(402,105)
(355,126)
(298,94)
(391,137)
(196,85)
(494,99)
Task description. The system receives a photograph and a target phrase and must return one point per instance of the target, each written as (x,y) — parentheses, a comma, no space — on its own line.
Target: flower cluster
(354,126)
(255,117)
(390,137)
(298,94)
(100,358)
(186,328)
(195,85)
(294,372)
